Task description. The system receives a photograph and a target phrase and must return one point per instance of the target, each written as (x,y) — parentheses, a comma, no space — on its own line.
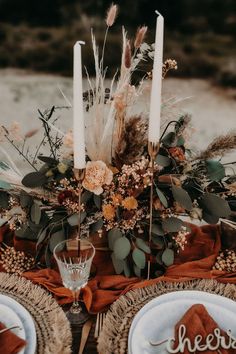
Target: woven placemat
(114,335)
(52,327)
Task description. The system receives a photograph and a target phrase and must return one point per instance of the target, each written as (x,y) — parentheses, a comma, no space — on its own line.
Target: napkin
(9,342)
(197,321)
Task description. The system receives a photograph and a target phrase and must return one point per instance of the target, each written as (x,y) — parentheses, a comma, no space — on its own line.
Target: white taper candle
(155,102)
(78,112)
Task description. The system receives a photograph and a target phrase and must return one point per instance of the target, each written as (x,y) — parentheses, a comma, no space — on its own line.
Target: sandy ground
(213,109)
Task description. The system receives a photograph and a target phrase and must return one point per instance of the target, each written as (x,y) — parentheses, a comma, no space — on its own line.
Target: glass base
(77,315)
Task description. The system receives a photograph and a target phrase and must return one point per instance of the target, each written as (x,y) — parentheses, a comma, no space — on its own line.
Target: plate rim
(169,296)
(28,317)
(190,304)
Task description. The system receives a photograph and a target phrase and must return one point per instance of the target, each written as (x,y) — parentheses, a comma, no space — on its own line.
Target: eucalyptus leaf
(214,205)
(210,219)
(127,270)
(162,197)
(41,236)
(159,258)
(97,201)
(180,141)
(140,243)
(182,197)
(25,199)
(157,229)
(34,179)
(163,160)
(5,185)
(86,196)
(96,226)
(137,271)
(56,238)
(4,200)
(118,264)
(139,258)
(73,219)
(35,213)
(48,160)
(158,241)
(168,257)
(215,170)
(112,236)
(48,256)
(172,224)
(170,139)
(122,248)
(26,233)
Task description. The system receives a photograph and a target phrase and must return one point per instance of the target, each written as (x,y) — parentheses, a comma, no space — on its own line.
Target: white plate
(27,321)
(9,318)
(198,296)
(157,324)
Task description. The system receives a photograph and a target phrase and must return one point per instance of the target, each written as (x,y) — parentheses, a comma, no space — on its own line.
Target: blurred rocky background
(39,35)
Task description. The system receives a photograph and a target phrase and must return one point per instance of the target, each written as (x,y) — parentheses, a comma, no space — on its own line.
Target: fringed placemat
(114,335)
(52,327)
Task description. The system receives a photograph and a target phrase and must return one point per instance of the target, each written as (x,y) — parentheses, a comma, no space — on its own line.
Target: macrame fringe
(52,327)
(114,336)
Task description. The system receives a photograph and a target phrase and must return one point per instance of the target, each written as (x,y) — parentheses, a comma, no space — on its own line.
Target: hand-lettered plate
(156,320)
(26,319)
(9,318)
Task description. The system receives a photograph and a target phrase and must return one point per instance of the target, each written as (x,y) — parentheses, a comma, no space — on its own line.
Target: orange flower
(108,211)
(177,153)
(116,199)
(130,203)
(97,174)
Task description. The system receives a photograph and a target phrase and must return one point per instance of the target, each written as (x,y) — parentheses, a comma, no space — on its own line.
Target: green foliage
(182,198)
(215,170)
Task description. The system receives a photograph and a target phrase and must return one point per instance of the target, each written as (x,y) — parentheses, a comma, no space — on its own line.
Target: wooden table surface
(91,345)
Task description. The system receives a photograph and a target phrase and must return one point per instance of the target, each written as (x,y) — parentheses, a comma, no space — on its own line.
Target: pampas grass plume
(141,32)
(111,15)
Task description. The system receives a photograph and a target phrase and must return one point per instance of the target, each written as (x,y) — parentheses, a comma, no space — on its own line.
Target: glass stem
(76,308)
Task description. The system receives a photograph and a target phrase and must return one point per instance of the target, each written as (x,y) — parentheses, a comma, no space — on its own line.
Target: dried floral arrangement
(42,206)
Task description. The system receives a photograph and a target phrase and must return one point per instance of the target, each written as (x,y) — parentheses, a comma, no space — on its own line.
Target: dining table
(91,344)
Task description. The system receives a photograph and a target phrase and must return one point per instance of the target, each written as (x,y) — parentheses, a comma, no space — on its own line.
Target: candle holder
(79,174)
(153,149)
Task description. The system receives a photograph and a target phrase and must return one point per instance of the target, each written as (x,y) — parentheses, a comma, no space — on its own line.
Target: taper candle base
(79,174)
(153,149)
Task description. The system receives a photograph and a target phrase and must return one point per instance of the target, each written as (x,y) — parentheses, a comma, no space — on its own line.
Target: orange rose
(97,174)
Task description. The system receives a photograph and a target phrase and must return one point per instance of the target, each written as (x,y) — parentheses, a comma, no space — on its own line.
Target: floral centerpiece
(43,206)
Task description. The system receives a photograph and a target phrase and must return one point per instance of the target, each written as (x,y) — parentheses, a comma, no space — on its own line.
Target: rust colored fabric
(195,262)
(197,321)
(9,342)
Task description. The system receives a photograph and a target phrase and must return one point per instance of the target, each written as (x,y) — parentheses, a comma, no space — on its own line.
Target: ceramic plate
(9,318)
(197,296)
(157,324)
(26,319)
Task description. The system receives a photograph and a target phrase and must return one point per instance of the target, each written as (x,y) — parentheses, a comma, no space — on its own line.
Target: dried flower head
(97,174)
(130,203)
(15,261)
(141,32)
(128,55)
(15,131)
(31,133)
(111,15)
(108,211)
(68,140)
(169,64)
